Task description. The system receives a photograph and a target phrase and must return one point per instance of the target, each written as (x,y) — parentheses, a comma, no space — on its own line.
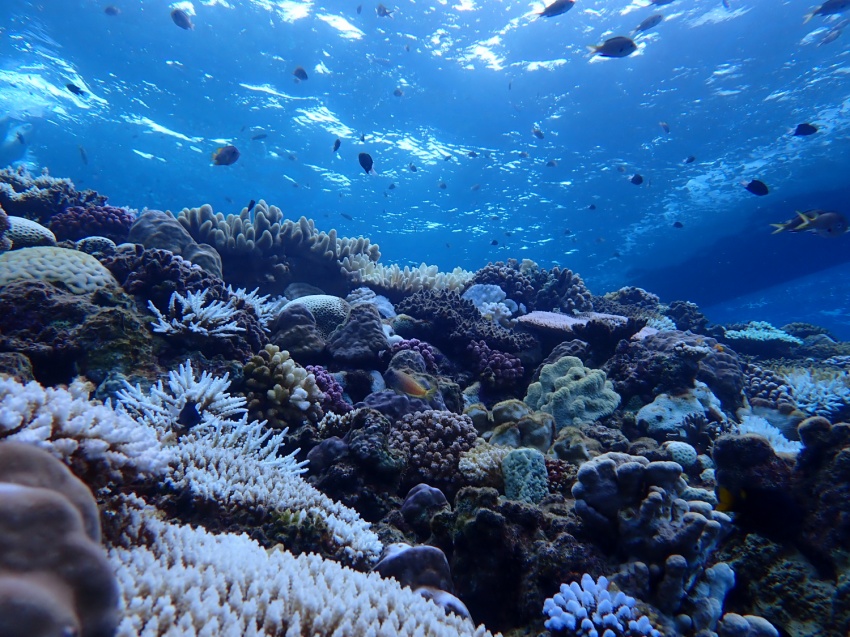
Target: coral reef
(572,393)
(39,198)
(279,390)
(77,222)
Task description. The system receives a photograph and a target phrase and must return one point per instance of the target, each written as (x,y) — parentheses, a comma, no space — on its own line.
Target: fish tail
(593,49)
(780,227)
(808,17)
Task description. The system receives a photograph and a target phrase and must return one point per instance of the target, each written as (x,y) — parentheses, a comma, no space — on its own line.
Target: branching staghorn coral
(196,315)
(178,580)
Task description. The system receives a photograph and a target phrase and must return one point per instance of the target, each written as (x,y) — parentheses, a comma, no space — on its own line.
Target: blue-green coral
(572,393)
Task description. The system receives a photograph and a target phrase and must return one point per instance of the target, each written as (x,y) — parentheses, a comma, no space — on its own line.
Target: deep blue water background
(732,83)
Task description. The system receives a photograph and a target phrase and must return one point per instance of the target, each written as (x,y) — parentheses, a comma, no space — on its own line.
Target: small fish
(472,153)
(508,233)
(757,187)
(398,92)
(523,154)
(337,144)
(678,224)
(413,168)
(76,90)
(448,245)
(383,12)
(366,163)
(259,136)
(228,200)
(83,155)
(824,223)
(551,164)
(20,138)
(690,159)
(292,157)
(830,7)
(189,416)
(346,216)
(651,22)
(832,35)
(363,137)
(494,242)
(359,8)
(391,186)
(660,3)
(665,127)
(592,206)
(405,383)
(636,179)
(442,185)
(616,47)
(558,7)
(537,133)
(447,158)
(225,156)
(475,187)
(803,130)
(182,19)
(726,4)
(300,73)
(111,10)
(251,205)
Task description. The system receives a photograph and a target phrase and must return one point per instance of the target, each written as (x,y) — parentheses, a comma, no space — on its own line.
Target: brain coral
(24,233)
(80,273)
(572,393)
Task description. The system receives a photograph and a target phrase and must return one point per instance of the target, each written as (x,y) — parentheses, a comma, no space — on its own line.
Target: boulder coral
(54,576)
(572,393)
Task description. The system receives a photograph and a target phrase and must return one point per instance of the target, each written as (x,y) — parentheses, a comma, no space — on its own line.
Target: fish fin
(780,227)
(806,220)
(593,49)
(808,17)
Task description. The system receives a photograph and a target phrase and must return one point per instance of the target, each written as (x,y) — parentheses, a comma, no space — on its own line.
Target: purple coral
(78,222)
(426,350)
(433,442)
(496,368)
(334,394)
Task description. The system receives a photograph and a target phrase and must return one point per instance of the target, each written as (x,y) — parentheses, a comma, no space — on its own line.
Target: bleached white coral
(161,407)
(196,315)
(176,580)
(79,431)
(226,459)
(762,331)
(819,395)
(757,425)
(425,277)
(236,464)
(265,310)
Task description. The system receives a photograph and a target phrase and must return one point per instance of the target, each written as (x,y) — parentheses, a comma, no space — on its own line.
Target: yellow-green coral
(77,271)
(279,390)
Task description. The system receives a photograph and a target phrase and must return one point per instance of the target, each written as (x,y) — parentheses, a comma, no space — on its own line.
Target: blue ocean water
(438,82)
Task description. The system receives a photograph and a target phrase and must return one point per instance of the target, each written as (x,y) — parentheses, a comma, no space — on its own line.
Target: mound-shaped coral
(572,393)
